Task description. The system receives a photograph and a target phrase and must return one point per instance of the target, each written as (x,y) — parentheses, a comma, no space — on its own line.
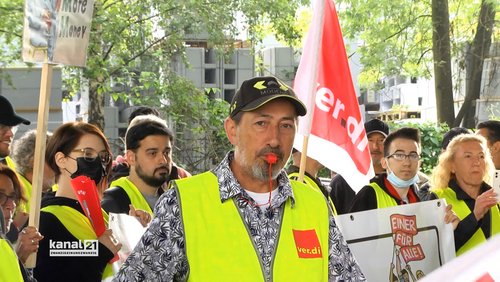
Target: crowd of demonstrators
(341,193)
(491,131)
(240,207)
(461,177)
(210,215)
(311,171)
(76,148)
(148,142)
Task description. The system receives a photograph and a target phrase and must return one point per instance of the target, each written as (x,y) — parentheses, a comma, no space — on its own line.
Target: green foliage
(395,37)
(431,135)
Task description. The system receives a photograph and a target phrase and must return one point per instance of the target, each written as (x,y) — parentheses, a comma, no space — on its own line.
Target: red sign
(404,223)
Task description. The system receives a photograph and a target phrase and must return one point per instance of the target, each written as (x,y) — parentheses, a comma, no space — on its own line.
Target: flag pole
(317,34)
(40,144)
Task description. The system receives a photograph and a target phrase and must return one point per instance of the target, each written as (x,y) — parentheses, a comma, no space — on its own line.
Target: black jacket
(70,268)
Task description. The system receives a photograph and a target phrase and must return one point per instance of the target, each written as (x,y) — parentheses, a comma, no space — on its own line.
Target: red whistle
(271,158)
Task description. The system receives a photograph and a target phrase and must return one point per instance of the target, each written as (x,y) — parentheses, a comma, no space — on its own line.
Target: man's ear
(230,128)
(495,148)
(130,157)
(383,162)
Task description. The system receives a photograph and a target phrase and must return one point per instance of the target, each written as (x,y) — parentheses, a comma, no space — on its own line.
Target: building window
(420,101)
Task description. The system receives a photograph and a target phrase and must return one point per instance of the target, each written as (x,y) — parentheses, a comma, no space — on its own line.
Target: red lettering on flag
(404,223)
(307,243)
(333,123)
(412,253)
(403,239)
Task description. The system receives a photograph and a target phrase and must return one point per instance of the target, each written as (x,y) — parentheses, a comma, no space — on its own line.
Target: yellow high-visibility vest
(462,211)
(9,266)
(219,246)
(79,226)
(133,193)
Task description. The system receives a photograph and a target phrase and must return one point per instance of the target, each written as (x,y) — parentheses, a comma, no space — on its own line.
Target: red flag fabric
(86,192)
(337,137)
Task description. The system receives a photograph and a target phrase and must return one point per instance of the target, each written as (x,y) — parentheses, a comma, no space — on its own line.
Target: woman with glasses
(461,177)
(75,149)
(11,265)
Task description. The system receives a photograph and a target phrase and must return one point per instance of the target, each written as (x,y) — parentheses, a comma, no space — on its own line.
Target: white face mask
(398,182)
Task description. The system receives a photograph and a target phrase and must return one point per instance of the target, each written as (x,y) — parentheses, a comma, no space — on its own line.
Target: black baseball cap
(452,133)
(7,114)
(376,125)
(257,91)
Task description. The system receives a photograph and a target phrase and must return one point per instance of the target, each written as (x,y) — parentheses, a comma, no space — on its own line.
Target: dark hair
(403,133)
(143,128)
(141,111)
(65,139)
(18,188)
(493,127)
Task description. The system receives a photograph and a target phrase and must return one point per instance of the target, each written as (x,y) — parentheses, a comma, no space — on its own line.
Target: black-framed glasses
(402,157)
(90,155)
(4,197)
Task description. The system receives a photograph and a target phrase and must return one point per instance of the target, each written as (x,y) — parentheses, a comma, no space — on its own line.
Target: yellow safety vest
(25,206)
(462,211)
(78,225)
(384,200)
(219,246)
(312,183)
(9,266)
(10,163)
(135,196)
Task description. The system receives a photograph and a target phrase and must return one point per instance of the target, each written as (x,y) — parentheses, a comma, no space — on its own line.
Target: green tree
(397,39)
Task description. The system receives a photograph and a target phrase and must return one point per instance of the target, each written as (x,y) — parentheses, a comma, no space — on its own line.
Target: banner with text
(57,31)
(402,243)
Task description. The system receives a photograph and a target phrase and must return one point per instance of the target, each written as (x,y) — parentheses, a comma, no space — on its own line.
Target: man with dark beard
(245,220)
(148,143)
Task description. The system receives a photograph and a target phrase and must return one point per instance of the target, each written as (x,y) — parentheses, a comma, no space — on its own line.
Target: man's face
(376,143)
(468,163)
(493,147)
(405,169)
(152,161)
(6,135)
(268,129)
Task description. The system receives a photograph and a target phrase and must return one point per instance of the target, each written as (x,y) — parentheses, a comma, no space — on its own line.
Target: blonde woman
(461,177)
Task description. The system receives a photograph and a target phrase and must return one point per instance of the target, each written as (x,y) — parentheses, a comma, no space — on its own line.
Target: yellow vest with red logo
(462,211)
(79,226)
(135,196)
(219,246)
(10,271)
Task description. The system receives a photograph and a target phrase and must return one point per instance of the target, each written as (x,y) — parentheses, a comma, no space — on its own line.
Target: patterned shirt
(161,255)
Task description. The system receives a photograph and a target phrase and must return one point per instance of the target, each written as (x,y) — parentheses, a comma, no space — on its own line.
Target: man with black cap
(245,220)
(8,122)
(341,193)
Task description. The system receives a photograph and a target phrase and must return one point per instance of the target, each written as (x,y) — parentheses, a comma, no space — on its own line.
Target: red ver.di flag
(57,31)
(337,138)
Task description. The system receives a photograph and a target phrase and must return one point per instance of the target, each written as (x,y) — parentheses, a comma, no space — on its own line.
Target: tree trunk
(442,62)
(479,51)
(96,106)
